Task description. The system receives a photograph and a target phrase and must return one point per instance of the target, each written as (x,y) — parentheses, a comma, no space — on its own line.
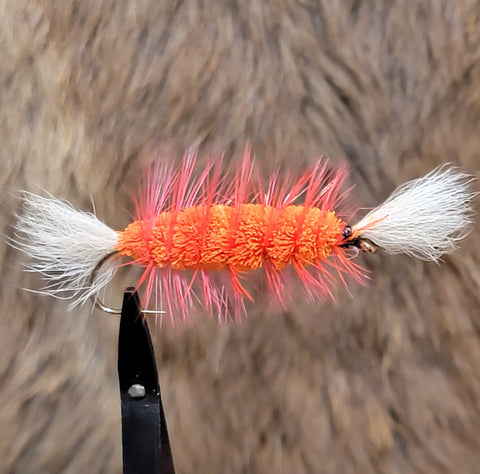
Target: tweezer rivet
(136,391)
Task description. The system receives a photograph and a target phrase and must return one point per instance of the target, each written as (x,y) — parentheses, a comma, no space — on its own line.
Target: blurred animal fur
(385,380)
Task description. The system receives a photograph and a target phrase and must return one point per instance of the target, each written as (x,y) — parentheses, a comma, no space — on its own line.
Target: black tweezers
(146,448)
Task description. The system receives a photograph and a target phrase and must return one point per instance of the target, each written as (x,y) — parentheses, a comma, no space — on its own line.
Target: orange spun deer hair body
(242,238)
(198,237)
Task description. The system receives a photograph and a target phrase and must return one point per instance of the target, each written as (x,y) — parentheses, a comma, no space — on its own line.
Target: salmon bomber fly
(199,238)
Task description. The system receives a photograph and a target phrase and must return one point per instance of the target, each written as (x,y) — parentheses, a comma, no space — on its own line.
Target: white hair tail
(65,245)
(423,218)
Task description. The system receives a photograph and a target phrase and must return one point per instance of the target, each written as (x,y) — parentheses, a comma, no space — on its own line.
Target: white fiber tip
(64,245)
(423,218)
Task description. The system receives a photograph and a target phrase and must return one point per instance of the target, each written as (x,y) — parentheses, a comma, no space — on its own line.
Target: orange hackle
(194,231)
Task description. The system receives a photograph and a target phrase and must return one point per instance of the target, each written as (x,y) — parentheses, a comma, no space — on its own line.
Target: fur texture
(423,218)
(64,245)
(384,381)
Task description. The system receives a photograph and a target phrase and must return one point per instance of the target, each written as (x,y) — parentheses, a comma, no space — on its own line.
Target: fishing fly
(199,236)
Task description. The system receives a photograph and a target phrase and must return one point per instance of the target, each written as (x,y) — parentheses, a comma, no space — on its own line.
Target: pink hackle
(222,293)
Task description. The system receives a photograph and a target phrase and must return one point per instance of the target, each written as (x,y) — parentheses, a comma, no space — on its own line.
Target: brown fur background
(387,380)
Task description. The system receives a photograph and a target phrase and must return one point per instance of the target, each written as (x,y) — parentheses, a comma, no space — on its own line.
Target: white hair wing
(423,218)
(64,245)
